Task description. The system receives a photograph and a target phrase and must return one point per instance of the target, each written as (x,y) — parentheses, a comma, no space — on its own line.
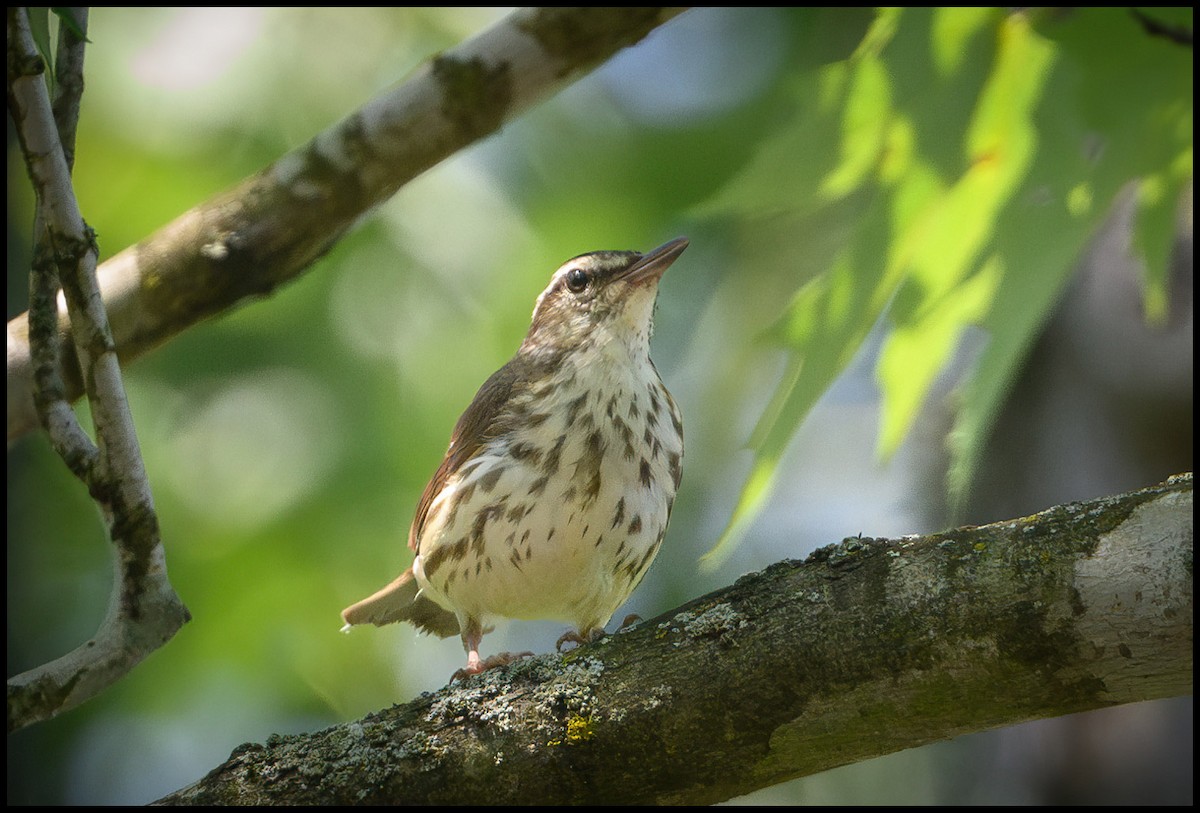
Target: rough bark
(867,647)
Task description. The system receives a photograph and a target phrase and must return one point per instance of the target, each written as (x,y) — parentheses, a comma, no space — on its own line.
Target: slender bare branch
(68,79)
(869,647)
(144,611)
(54,409)
(268,229)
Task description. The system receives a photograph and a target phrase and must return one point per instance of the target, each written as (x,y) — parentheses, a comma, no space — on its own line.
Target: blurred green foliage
(937,169)
(982,148)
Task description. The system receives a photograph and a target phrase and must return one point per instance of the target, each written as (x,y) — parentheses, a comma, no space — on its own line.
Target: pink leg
(472,635)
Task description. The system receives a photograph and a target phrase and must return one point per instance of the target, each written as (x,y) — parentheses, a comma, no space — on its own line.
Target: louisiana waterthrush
(554,495)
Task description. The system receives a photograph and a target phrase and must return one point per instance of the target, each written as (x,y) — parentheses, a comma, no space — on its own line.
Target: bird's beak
(653,265)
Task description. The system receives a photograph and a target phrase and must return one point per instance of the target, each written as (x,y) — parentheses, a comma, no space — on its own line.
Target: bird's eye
(577,280)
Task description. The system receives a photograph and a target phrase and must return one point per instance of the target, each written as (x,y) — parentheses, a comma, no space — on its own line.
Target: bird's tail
(399,602)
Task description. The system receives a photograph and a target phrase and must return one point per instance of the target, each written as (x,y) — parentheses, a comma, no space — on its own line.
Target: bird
(554,495)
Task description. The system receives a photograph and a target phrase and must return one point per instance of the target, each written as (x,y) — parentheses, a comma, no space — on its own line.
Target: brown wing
(483,420)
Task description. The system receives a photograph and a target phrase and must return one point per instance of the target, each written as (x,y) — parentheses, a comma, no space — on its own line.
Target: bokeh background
(288,441)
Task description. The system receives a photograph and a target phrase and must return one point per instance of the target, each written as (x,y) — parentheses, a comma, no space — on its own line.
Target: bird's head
(600,297)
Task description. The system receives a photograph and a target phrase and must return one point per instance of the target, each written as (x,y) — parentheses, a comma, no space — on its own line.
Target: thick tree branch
(866,648)
(271,227)
(144,612)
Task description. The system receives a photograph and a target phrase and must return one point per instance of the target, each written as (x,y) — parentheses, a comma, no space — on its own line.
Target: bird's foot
(629,621)
(592,635)
(476,665)
(579,638)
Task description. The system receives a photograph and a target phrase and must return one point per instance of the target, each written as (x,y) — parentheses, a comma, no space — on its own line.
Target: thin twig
(54,409)
(144,611)
(68,79)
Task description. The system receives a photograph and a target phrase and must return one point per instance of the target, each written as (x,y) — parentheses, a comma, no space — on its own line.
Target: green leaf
(67,18)
(943,243)
(1106,122)
(1155,228)
(966,156)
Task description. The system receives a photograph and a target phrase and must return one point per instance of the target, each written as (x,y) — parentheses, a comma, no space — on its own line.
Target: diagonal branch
(247,241)
(868,647)
(144,611)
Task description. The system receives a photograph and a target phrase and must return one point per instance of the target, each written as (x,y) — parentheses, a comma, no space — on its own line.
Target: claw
(629,621)
(579,638)
(475,665)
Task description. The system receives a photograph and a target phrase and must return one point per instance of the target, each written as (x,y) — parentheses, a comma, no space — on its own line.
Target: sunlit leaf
(983,149)
(1154,234)
(1104,123)
(946,241)
(915,352)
